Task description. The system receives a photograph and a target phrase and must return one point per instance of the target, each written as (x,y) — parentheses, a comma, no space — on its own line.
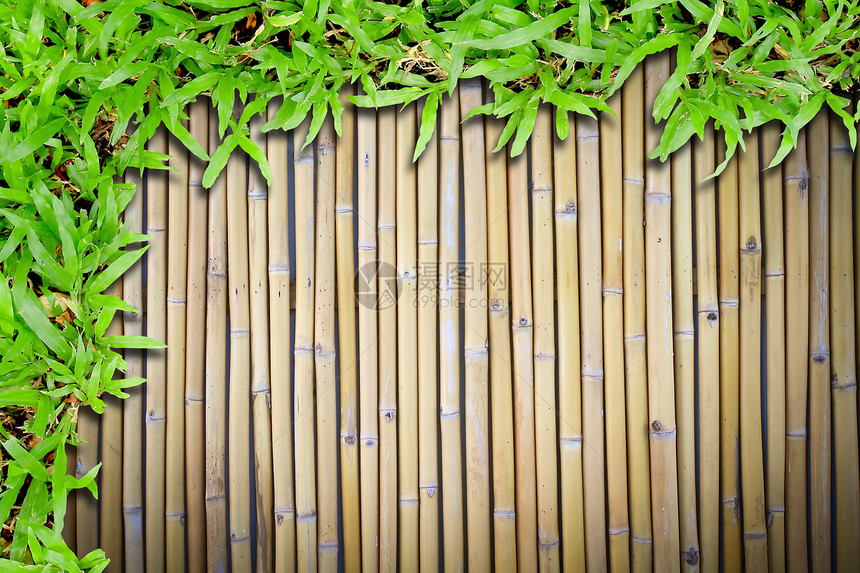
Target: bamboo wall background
(575,359)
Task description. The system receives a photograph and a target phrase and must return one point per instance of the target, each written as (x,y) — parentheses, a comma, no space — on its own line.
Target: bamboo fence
(577,358)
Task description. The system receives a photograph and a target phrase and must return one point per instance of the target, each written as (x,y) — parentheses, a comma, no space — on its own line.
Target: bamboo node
(691,556)
(449,138)
(542,190)
(151,416)
(194,184)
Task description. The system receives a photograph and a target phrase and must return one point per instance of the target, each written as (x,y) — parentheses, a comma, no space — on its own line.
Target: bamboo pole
(544,344)
(636,383)
(325,352)
(239,387)
(569,371)
(281,361)
(727,189)
(820,507)
(407,343)
(501,389)
(591,327)
(428,388)
(856,104)
(132,435)
(156,310)
(658,300)
(261,397)
(843,355)
(796,189)
(774,264)
(216,369)
(386,230)
(752,460)
(344,214)
(195,357)
(110,488)
(709,353)
(612,209)
(475,353)
(87,452)
(522,326)
(685,352)
(177,277)
(449,337)
(368,373)
(303,352)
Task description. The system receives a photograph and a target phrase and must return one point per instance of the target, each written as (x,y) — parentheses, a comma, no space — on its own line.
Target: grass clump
(86,83)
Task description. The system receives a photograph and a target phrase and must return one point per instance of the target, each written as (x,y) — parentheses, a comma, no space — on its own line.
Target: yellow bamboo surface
(574,359)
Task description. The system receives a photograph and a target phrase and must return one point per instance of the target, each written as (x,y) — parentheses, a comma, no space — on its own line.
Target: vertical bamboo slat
(177,276)
(156,310)
(87,456)
(612,209)
(636,383)
(239,385)
(110,488)
(216,369)
(685,350)
(195,349)
(324,350)
(428,402)
(449,337)
(796,189)
(658,301)
(569,371)
(303,353)
(846,495)
(476,352)
(386,232)
(591,325)
(727,190)
(280,360)
(818,154)
(344,213)
(501,389)
(542,256)
(708,321)
(522,327)
(407,343)
(752,459)
(774,265)
(260,378)
(368,374)
(132,434)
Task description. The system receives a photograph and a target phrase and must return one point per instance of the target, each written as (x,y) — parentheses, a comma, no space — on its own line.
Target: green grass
(75,78)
